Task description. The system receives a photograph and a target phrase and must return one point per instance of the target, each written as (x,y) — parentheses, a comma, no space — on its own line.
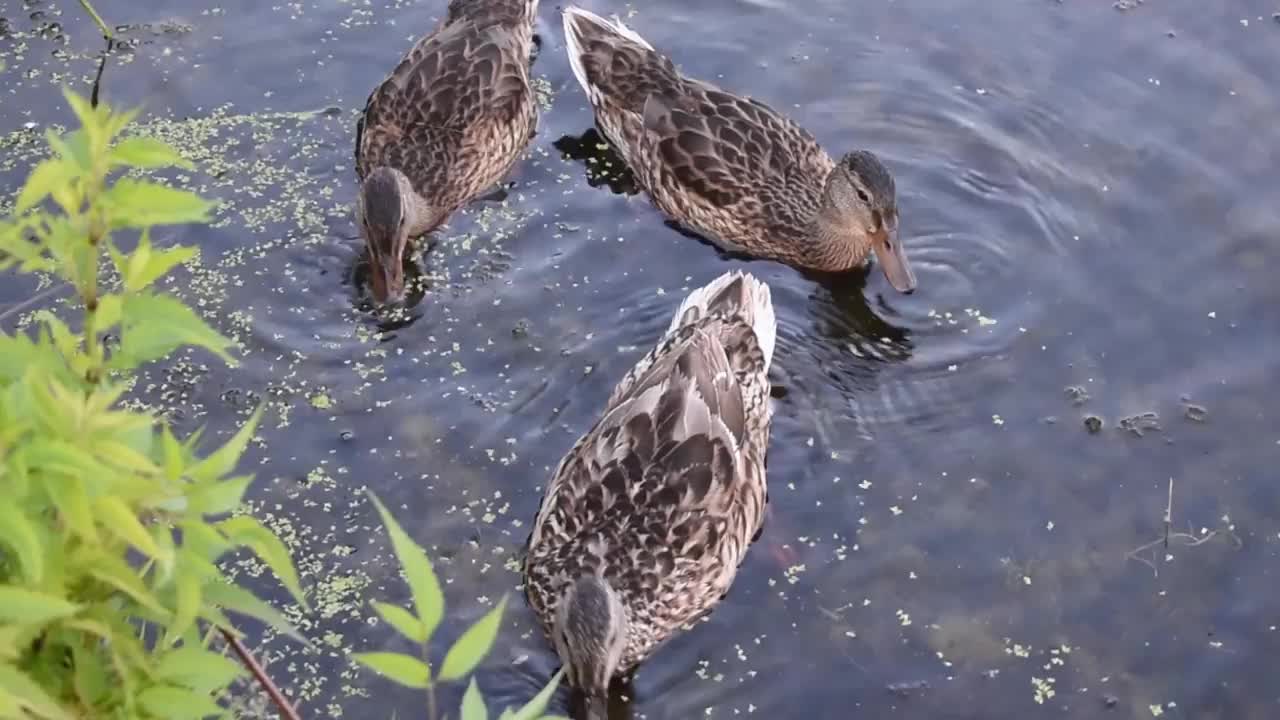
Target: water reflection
(604,166)
(392,316)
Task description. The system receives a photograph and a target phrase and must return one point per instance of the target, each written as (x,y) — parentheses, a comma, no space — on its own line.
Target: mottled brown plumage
(447,125)
(651,512)
(729,167)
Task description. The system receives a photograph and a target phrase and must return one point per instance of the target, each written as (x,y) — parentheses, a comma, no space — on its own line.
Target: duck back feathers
(458,109)
(663,495)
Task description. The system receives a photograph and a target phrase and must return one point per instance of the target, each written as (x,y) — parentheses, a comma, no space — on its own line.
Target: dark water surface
(1089,197)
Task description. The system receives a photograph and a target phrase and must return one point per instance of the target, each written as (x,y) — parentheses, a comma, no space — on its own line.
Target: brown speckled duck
(446,126)
(647,518)
(731,168)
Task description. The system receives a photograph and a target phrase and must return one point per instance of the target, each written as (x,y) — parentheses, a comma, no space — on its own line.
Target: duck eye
(862,195)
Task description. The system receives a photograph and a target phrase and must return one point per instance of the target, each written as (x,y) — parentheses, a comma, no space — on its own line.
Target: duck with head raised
(447,125)
(647,518)
(731,168)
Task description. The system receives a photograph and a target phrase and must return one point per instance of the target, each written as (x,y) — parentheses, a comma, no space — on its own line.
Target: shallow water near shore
(1088,197)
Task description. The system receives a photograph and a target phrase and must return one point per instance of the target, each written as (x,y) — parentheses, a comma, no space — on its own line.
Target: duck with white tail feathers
(731,168)
(647,518)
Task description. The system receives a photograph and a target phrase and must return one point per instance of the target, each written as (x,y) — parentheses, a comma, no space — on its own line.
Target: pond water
(1088,195)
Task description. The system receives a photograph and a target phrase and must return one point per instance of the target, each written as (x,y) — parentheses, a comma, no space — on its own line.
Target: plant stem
(106,31)
(431,701)
(287,710)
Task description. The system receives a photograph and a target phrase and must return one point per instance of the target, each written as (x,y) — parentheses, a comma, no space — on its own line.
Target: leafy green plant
(112,528)
(465,654)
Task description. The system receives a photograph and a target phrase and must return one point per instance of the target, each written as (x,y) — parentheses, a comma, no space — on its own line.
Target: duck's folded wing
(662,465)
(461,79)
(731,152)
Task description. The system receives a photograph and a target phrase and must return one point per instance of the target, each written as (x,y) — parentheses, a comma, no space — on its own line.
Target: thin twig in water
(1168,515)
(287,710)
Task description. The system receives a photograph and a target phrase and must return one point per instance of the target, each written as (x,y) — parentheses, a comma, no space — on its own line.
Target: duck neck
(591,634)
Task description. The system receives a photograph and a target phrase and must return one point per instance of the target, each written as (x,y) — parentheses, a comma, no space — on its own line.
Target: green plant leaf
(156,325)
(108,312)
(217,498)
(20,535)
(50,173)
(203,540)
(68,496)
(114,571)
(427,596)
(473,704)
(72,147)
(238,600)
(533,709)
(470,649)
(125,458)
(403,669)
(198,669)
(134,203)
(403,621)
(221,462)
(20,605)
(246,530)
(146,152)
(117,516)
(27,694)
(186,605)
(169,701)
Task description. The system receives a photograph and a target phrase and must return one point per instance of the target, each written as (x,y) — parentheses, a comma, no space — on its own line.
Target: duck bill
(893,261)
(597,707)
(387,281)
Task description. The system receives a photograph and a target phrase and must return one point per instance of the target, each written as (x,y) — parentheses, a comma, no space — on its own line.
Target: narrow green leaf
(117,516)
(90,675)
(85,113)
(198,669)
(20,535)
(174,456)
(156,325)
(406,670)
(221,462)
(28,695)
(217,498)
(68,496)
(108,313)
(158,265)
(402,620)
(169,701)
(72,147)
(125,458)
(114,571)
(238,600)
(146,152)
(203,540)
(134,203)
(187,605)
(474,644)
(43,179)
(19,605)
(427,596)
(246,530)
(473,704)
(533,709)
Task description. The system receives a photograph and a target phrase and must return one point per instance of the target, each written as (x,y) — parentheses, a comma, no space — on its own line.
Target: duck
(444,127)
(729,167)
(647,518)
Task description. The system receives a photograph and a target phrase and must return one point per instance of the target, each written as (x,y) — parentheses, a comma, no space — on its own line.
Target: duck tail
(734,293)
(583,29)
